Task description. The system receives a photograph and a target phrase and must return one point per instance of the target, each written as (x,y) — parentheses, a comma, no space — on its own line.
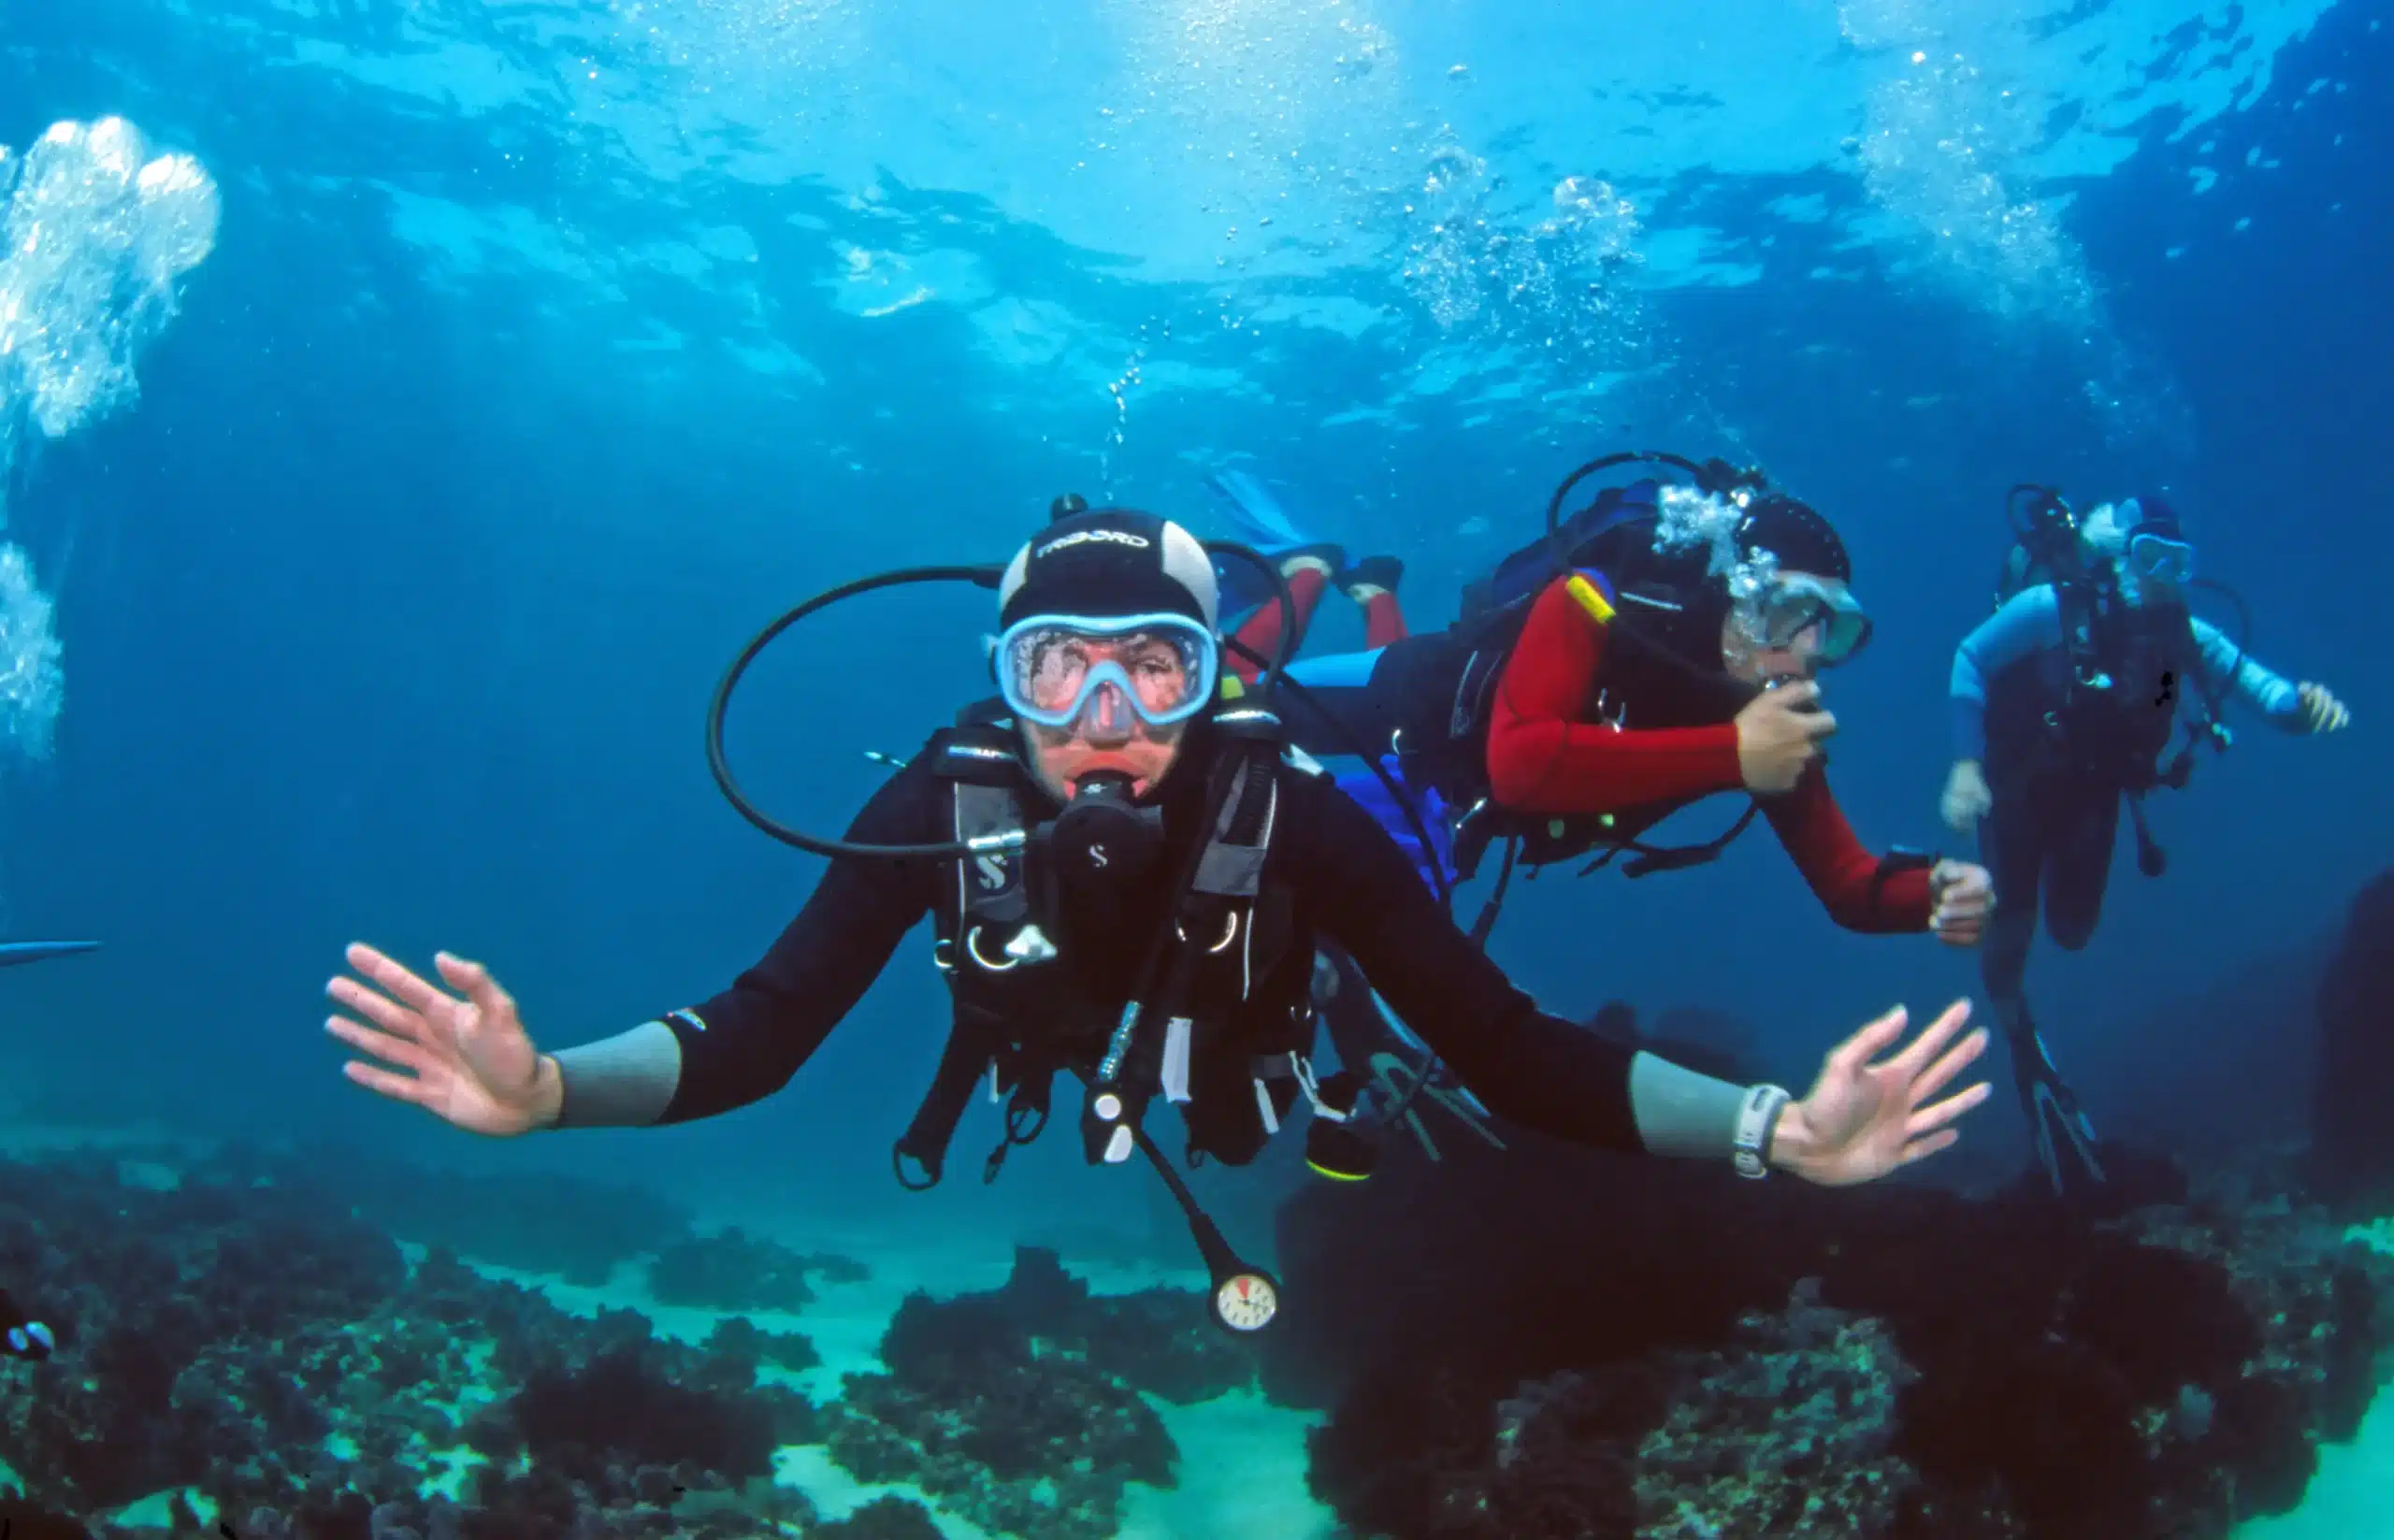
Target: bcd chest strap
(1213,913)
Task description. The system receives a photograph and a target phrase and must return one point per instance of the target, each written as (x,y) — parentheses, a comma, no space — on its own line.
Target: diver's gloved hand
(1962,895)
(1779,737)
(1967,798)
(467,1060)
(1864,1119)
(2321,711)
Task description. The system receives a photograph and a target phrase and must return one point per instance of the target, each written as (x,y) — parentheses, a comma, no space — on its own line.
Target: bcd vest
(1234,1050)
(2131,670)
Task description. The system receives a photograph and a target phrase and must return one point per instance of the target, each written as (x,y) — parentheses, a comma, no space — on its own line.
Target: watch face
(1246,1302)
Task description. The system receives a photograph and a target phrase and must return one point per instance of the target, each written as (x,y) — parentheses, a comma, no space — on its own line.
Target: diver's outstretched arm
(2232,674)
(1872,1110)
(461,1053)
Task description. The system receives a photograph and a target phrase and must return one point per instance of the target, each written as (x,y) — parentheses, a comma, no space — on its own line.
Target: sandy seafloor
(1242,1469)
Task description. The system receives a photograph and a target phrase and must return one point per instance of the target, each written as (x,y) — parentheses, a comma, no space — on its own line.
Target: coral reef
(883,1518)
(1551,1343)
(738,1337)
(1019,1407)
(227,1335)
(238,1337)
(735,1270)
(535,1221)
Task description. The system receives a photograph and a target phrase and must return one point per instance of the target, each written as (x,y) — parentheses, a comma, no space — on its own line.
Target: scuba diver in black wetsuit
(2064,703)
(1125,873)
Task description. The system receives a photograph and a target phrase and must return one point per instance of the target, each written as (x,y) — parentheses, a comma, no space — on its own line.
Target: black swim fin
(2064,1138)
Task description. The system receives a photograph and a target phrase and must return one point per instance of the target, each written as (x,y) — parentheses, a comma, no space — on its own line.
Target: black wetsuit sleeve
(745,1043)
(1534,1069)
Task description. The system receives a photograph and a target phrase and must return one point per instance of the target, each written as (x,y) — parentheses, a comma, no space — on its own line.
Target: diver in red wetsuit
(1677,660)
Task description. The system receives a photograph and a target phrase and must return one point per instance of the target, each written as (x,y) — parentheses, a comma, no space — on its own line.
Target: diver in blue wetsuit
(2065,703)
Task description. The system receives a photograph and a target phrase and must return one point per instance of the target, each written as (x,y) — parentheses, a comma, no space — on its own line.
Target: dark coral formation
(735,1270)
(217,1336)
(24,1520)
(535,1221)
(1787,1432)
(738,1337)
(883,1518)
(2351,1138)
(1559,1342)
(1019,1407)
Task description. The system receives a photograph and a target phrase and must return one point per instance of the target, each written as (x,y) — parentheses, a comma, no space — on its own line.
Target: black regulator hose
(980,577)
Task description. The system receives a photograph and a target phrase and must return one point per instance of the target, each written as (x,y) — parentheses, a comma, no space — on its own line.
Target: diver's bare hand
(1779,737)
(2321,711)
(1863,1120)
(1967,798)
(463,1057)
(1961,895)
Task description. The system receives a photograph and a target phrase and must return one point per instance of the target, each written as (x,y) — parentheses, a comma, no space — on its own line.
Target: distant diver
(1127,874)
(2064,703)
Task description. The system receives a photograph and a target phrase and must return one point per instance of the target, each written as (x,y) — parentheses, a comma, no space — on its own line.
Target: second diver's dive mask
(2156,558)
(1064,670)
(1789,604)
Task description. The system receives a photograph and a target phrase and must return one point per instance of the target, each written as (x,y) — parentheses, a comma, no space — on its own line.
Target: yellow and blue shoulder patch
(1594,594)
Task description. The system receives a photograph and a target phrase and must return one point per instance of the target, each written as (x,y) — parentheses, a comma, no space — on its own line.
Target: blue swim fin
(1257,518)
(13,953)
(1256,514)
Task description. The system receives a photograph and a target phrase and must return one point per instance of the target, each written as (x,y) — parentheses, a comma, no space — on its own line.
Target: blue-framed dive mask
(1051,667)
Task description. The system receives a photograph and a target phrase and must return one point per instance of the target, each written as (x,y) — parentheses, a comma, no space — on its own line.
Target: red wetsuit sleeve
(1813,828)
(1543,757)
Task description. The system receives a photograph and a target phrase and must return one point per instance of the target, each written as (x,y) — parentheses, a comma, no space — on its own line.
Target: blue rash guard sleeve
(2029,623)
(2244,679)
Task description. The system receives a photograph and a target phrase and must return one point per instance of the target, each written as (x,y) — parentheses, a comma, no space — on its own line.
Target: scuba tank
(2045,543)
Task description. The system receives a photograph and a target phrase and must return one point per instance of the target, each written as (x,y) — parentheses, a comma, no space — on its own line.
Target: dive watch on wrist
(1757,1117)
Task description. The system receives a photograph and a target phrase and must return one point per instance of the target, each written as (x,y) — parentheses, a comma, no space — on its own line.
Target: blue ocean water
(543,352)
